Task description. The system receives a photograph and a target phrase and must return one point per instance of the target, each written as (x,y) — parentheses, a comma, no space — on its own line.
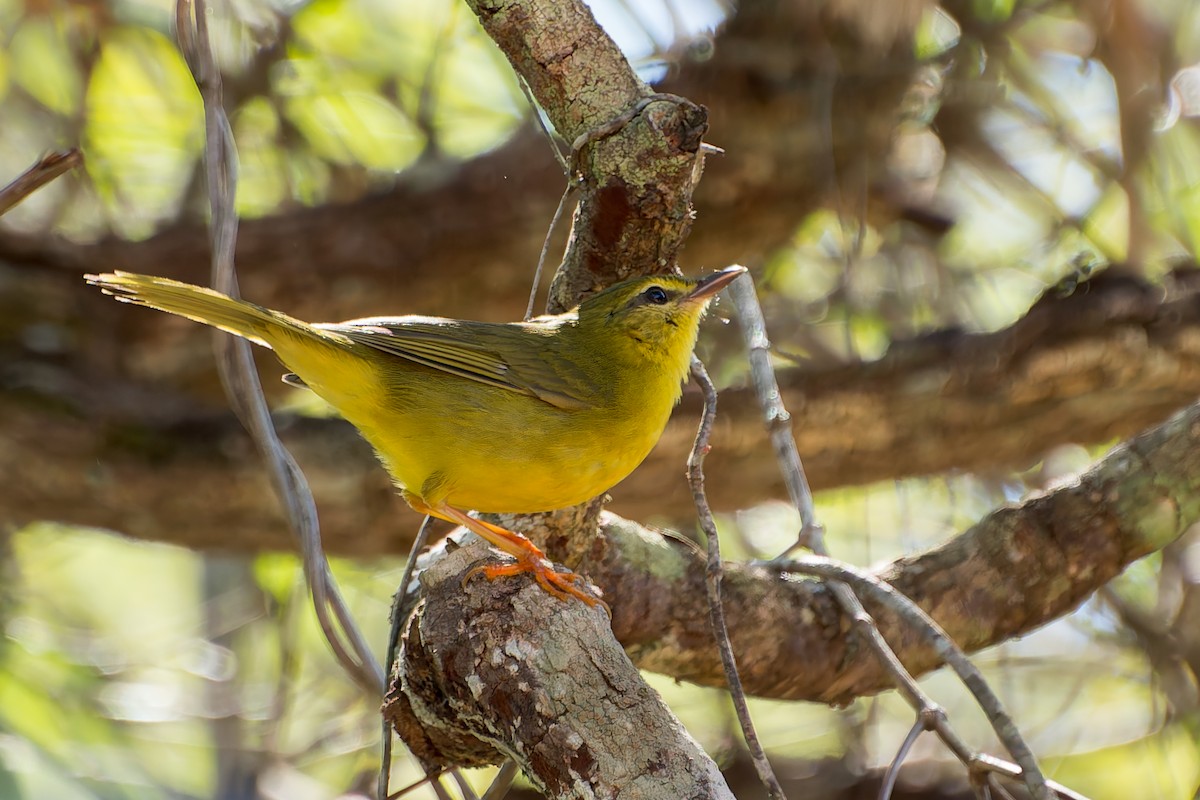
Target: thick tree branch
(497,669)
(635,154)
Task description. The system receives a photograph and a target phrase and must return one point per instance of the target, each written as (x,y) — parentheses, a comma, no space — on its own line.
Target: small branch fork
(841,578)
(712,581)
(236,366)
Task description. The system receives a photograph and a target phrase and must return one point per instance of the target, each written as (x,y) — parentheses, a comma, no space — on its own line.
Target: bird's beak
(711,284)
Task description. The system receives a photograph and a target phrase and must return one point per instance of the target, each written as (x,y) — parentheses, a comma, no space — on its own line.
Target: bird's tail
(260,325)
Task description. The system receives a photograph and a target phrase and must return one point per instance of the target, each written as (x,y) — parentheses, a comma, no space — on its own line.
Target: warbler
(512,417)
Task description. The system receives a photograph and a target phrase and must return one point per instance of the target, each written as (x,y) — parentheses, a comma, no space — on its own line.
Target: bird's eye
(656,295)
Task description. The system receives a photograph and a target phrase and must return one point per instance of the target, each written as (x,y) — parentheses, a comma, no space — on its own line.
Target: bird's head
(657,316)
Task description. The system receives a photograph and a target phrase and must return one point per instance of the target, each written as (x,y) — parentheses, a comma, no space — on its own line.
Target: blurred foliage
(122,672)
(327,99)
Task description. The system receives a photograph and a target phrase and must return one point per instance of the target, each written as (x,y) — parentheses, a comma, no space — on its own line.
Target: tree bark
(495,669)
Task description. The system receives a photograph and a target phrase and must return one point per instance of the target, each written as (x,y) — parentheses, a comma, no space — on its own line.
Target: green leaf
(44,65)
(144,128)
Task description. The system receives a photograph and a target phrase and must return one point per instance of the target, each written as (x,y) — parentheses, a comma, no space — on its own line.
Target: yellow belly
(473,446)
(480,460)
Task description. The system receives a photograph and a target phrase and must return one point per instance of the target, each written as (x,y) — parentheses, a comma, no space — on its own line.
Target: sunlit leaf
(44,64)
(144,128)
(478,103)
(357,127)
(937,33)
(993,10)
(1108,224)
(262,176)
(276,574)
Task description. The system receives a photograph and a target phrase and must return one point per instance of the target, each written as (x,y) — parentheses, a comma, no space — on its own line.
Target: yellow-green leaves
(144,128)
(44,64)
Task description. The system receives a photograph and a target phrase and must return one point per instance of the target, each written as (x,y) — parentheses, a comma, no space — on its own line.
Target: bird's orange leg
(562,584)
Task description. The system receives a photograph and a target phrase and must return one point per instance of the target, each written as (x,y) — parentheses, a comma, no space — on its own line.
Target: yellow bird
(512,417)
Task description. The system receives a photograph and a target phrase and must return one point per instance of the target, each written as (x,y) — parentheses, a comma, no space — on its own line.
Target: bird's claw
(563,584)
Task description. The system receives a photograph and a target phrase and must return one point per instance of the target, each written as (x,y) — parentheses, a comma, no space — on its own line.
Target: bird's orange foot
(563,584)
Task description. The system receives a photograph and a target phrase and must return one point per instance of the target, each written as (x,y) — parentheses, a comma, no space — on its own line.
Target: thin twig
(572,184)
(502,782)
(430,777)
(778,421)
(464,788)
(990,765)
(236,366)
(385,761)
(930,715)
(543,124)
(438,788)
(893,771)
(537,274)
(44,170)
(993,783)
(713,573)
(943,646)
(619,121)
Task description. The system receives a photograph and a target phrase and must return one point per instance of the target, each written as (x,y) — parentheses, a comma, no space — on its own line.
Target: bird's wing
(512,357)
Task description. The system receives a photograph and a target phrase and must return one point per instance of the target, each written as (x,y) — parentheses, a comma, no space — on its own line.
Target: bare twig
(438,789)
(558,212)
(572,185)
(44,170)
(385,761)
(992,766)
(616,123)
(502,782)
(432,776)
(930,715)
(945,648)
(713,581)
(893,771)
(464,788)
(236,366)
(543,125)
(778,421)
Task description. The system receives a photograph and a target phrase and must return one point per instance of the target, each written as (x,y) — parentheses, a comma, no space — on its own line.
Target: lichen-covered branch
(500,670)
(638,153)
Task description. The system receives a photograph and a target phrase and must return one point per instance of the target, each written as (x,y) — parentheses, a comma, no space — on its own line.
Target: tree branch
(497,669)
(1016,570)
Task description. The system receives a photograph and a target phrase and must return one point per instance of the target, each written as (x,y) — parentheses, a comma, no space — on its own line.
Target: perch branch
(495,669)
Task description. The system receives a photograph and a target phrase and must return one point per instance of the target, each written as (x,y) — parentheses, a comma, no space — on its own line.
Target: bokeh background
(899,173)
